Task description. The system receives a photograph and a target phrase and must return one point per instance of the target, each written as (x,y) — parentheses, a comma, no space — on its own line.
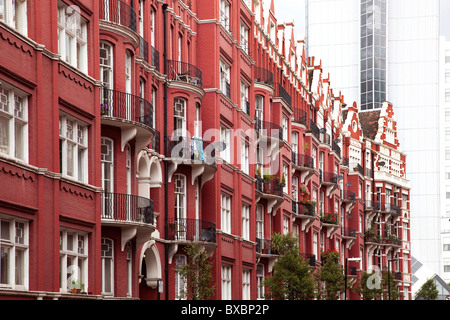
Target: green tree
(374,286)
(292,278)
(428,291)
(331,279)
(197,274)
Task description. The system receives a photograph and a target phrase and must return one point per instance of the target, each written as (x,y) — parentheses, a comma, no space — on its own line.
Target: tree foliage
(292,278)
(374,286)
(331,279)
(197,274)
(428,291)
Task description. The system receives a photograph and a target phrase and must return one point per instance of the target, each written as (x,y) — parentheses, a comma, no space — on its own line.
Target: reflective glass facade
(373,53)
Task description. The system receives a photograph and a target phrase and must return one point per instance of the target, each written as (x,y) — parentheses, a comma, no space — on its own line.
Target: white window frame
(225,73)
(244,96)
(106,66)
(285,225)
(129,252)
(180,205)
(179,113)
(180,281)
(245,221)
(14,14)
(225,138)
(246,280)
(79,141)
(14,238)
(107,262)
(73,247)
(225,212)
(245,31)
(13,122)
(226,281)
(72,37)
(245,147)
(224,14)
(260,281)
(285,127)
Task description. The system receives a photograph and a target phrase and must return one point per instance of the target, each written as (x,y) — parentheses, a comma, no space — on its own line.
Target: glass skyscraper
(373,53)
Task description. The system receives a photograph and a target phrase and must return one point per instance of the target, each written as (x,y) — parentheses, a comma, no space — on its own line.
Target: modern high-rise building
(397,49)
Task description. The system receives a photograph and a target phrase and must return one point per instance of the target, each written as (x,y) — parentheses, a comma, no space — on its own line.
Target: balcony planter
(332,255)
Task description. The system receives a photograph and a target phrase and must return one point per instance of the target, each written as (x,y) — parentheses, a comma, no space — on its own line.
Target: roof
(369,123)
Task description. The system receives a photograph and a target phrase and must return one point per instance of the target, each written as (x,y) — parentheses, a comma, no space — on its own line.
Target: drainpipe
(166,166)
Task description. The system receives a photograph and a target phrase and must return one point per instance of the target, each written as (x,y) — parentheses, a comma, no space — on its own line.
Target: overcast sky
(286,9)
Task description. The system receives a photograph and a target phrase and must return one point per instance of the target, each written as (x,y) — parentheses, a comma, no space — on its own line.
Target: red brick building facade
(130,129)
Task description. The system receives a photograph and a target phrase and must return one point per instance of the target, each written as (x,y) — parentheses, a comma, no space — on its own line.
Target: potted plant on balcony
(104,109)
(77,286)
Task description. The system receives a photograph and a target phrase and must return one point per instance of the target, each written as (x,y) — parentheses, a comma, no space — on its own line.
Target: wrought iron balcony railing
(264,76)
(143,49)
(155,58)
(269,186)
(302,160)
(300,116)
(348,195)
(337,149)
(126,106)
(268,129)
(193,149)
(118,12)
(281,92)
(385,207)
(325,138)
(328,177)
(127,208)
(349,232)
(184,72)
(304,209)
(314,129)
(264,246)
(192,230)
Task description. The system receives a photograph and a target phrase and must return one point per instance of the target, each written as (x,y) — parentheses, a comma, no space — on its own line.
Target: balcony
(155,58)
(300,116)
(282,93)
(119,12)
(132,114)
(314,129)
(264,247)
(325,138)
(120,208)
(271,190)
(348,196)
(143,49)
(268,129)
(192,230)
(309,258)
(389,208)
(194,152)
(263,76)
(330,222)
(328,178)
(336,149)
(184,72)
